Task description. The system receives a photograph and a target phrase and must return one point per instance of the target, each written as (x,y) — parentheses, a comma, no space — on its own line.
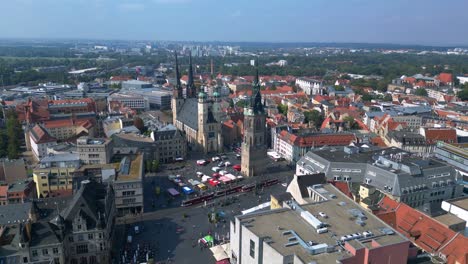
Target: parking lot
(173,232)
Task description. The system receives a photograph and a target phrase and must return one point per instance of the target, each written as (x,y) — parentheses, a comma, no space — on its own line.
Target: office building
(128,186)
(329,228)
(455,155)
(422,183)
(94,150)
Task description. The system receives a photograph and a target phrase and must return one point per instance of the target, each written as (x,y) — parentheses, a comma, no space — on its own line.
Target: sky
(425,22)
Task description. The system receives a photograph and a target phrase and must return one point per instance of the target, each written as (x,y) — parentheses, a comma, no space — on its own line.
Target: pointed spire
(191,89)
(178,89)
(256,102)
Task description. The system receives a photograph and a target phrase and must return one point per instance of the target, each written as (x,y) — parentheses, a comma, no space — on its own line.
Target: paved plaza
(171,232)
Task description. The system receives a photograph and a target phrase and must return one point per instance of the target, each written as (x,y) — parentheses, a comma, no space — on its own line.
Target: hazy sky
(378,21)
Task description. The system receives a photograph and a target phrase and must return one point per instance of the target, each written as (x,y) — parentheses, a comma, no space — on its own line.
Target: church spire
(191,89)
(178,89)
(256,102)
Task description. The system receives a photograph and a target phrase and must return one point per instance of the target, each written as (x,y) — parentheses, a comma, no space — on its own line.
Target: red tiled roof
(343,187)
(40,135)
(445,77)
(426,232)
(317,140)
(446,135)
(3,192)
(379,142)
(86,123)
(120,78)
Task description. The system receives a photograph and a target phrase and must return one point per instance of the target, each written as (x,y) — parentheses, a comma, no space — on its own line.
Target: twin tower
(199,117)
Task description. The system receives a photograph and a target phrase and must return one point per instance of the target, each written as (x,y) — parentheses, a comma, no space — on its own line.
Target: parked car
(237,167)
(216,169)
(227,163)
(238,156)
(224,157)
(216,175)
(179,159)
(202,162)
(215,158)
(199,174)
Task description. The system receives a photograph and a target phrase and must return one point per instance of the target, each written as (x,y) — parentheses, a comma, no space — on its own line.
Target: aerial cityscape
(233,132)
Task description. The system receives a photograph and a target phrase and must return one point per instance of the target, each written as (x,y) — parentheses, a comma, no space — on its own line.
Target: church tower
(177,96)
(191,90)
(254,158)
(209,129)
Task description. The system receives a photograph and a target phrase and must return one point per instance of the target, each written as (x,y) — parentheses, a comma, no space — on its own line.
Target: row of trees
(10,137)
(152,165)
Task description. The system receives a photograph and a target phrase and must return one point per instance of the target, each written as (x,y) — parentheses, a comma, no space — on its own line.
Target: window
(55,250)
(82,249)
(44,184)
(70,238)
(56,261)
(100,235)
(25,260)
(34,253)
(78,227)
(80,237)
(252,248)
(45,252)
(90,236)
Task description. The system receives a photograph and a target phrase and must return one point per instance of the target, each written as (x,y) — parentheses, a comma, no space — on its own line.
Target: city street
(171,232)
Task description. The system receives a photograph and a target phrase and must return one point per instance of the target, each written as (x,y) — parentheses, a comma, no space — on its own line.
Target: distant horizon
(402,44)
(416,22)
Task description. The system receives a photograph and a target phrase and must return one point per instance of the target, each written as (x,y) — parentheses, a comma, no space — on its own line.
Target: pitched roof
(40,135)
(188,113)
(317,140)
(447,135)
(424,231)
(445,77)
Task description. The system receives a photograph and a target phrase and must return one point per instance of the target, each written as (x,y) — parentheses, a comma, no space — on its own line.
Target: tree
(154,166)
(148,166)
(338,88)
(3,145)
(463,94)
(313,116)
(13,132)
(352,124)
(387,98)
(283,109)
(420,92)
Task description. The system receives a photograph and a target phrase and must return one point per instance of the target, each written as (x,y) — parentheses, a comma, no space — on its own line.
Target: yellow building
(54,175)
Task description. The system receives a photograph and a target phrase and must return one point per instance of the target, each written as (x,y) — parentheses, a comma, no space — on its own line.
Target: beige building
(128,186)
(94,150)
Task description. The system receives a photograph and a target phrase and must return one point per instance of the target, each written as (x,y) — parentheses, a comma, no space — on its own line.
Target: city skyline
(356,21)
